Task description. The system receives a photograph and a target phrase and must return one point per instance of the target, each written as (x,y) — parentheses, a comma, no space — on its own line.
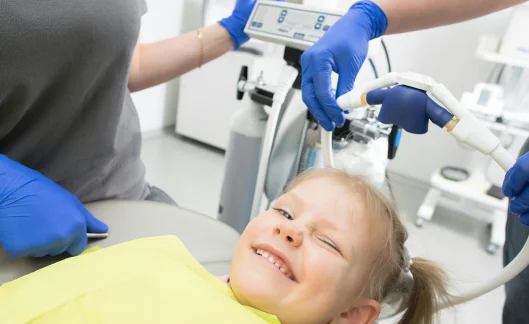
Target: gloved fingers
(79,245)
(309,98)
(15,253)
(399,94)
(507,186)
(58,251)
(40,254)
(40,251)
(437,114)
(517,177)
(53,249)
(346,79)
(20,248)
(323,91)
(377,96)
(520,204)
(94,225)
(524,219)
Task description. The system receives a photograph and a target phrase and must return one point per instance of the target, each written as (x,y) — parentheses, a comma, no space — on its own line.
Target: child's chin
(258,291)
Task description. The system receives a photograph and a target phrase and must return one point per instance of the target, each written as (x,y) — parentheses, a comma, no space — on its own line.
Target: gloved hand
(38,217)
(516,186)
(408,108)
(235,23)
(343,50)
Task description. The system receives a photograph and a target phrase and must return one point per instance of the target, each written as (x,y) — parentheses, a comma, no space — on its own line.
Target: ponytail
(428,292)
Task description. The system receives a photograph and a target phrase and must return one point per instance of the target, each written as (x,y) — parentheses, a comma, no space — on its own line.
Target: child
(330,250)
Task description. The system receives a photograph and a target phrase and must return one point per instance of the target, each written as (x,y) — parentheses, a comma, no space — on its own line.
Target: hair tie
(397,298)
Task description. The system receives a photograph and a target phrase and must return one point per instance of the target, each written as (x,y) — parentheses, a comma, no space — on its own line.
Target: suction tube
(465,127)
(288,76)
(474,136)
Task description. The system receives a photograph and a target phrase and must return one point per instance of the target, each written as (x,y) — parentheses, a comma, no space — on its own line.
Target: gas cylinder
(243,153)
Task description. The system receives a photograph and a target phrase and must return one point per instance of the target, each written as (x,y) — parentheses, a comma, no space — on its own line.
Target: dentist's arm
(343,48)
(159,62)
(410,15)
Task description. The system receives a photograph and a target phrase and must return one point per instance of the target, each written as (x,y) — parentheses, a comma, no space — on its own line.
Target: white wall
(157,106)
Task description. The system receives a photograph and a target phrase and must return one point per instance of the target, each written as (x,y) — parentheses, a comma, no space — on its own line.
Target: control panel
(289,24)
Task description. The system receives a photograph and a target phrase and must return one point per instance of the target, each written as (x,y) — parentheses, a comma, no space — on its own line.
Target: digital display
(484,97)
(293,23)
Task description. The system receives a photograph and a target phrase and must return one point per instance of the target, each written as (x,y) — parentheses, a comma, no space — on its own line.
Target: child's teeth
(273,261)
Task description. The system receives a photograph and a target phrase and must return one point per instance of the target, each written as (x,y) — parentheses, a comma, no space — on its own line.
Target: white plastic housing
(288,76)
(473,133)
(351,100)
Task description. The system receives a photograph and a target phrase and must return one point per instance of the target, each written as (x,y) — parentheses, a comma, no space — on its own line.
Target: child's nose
(290,233)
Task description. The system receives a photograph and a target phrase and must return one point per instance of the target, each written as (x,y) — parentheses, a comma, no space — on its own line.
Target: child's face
(317,238)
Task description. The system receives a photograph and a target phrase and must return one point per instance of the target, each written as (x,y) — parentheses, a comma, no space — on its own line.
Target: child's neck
(225,279)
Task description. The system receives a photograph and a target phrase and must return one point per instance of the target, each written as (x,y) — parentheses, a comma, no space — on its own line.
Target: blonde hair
(428,288)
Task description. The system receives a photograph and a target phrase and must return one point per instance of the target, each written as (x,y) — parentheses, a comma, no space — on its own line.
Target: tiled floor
(192,174)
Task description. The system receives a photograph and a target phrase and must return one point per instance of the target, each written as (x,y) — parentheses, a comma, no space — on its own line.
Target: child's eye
(331,244)
(285,214)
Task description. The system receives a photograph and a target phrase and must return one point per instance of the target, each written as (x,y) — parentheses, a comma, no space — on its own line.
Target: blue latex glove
(408,108)
(38,217)
(343,50)
(516,186)
(235,23)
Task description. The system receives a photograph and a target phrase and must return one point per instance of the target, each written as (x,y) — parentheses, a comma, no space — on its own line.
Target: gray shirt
(65,109)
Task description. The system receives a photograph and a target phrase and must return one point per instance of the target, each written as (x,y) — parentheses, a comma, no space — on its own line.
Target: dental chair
(211,242)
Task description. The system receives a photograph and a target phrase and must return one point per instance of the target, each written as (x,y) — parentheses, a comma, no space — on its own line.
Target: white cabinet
(208,99)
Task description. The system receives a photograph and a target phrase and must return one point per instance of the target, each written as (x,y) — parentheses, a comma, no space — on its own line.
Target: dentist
(69,131)
(343,50)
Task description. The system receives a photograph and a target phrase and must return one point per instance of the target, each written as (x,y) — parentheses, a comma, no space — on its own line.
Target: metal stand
(467,197)
(427,208)
(497,235)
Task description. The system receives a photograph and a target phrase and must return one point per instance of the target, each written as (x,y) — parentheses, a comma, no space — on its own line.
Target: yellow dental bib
(152,280)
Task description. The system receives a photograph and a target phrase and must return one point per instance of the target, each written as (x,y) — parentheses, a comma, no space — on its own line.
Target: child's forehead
(326,195)
(343,196)
(326,185)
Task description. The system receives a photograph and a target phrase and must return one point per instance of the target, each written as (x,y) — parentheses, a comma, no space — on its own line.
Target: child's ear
(366,311)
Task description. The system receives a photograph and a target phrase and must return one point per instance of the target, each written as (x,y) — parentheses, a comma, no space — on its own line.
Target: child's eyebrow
(292,196)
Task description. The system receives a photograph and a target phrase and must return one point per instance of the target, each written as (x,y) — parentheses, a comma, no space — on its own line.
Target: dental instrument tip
(97,235)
